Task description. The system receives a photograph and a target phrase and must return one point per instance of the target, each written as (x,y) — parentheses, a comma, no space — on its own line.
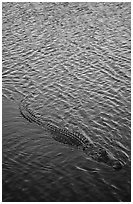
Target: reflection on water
(75,60)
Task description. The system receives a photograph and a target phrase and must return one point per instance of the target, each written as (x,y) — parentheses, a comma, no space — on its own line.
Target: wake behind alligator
(72,138)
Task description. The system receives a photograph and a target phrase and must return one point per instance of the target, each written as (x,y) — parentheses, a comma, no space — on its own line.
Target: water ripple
(75,59)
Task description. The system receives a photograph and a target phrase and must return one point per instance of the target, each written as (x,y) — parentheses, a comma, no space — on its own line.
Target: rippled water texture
(73,60)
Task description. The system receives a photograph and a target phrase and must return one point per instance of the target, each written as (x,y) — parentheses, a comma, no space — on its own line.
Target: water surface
(75,60)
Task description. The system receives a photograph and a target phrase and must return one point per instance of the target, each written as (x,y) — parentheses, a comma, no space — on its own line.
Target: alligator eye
(117,165)
(103,153)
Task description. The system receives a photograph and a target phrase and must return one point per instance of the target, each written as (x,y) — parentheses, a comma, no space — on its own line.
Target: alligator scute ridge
(74,138)
(77,137)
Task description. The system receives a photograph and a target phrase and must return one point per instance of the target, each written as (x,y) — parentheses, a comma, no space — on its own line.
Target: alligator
(72,138)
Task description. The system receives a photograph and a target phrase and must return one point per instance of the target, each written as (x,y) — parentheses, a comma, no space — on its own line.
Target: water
(75,60)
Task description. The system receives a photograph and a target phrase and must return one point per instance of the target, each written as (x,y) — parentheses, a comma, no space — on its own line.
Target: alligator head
(105,157)
(101,155)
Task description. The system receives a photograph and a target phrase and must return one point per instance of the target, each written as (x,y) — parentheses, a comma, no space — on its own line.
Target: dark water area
(74,61)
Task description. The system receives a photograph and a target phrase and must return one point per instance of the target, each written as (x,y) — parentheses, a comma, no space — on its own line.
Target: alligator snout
(117,165)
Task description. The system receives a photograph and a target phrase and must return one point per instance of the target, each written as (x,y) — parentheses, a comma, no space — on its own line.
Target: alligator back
(60,134)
